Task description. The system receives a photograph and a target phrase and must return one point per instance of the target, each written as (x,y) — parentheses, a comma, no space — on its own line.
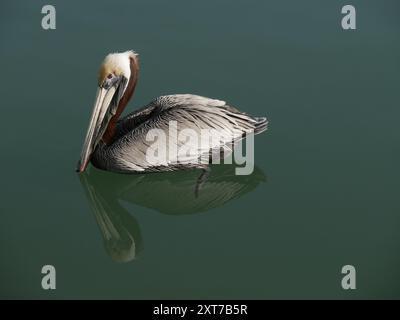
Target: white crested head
(117,64)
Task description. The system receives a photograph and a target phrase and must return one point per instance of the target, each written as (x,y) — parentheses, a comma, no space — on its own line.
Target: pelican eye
(111,80)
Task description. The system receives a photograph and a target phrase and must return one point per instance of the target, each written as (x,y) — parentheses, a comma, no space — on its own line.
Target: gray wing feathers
(191,113)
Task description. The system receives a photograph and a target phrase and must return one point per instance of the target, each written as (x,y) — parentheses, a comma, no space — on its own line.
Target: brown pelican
(120,145)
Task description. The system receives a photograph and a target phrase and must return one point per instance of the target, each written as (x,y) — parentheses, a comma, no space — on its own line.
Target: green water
(325,192)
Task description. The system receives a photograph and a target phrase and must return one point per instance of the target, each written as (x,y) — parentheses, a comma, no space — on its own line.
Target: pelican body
(121,144)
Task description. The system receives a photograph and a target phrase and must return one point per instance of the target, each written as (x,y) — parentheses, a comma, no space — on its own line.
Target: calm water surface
(325,192)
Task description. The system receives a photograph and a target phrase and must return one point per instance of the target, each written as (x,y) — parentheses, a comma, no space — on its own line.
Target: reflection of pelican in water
(170,193)
(120,231)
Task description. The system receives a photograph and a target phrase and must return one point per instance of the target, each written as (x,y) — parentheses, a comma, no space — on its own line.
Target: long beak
(98,124)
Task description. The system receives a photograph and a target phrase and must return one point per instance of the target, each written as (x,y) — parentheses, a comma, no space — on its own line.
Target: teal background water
(325,193)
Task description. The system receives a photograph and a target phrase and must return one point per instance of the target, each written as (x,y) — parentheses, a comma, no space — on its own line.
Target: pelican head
(117,79)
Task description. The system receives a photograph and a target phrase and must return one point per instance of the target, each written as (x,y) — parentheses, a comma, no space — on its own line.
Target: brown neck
(110,132)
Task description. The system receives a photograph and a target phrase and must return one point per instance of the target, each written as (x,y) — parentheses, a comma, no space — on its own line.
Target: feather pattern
(192,113)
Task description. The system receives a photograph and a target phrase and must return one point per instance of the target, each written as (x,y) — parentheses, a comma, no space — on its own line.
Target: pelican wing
(203,126)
